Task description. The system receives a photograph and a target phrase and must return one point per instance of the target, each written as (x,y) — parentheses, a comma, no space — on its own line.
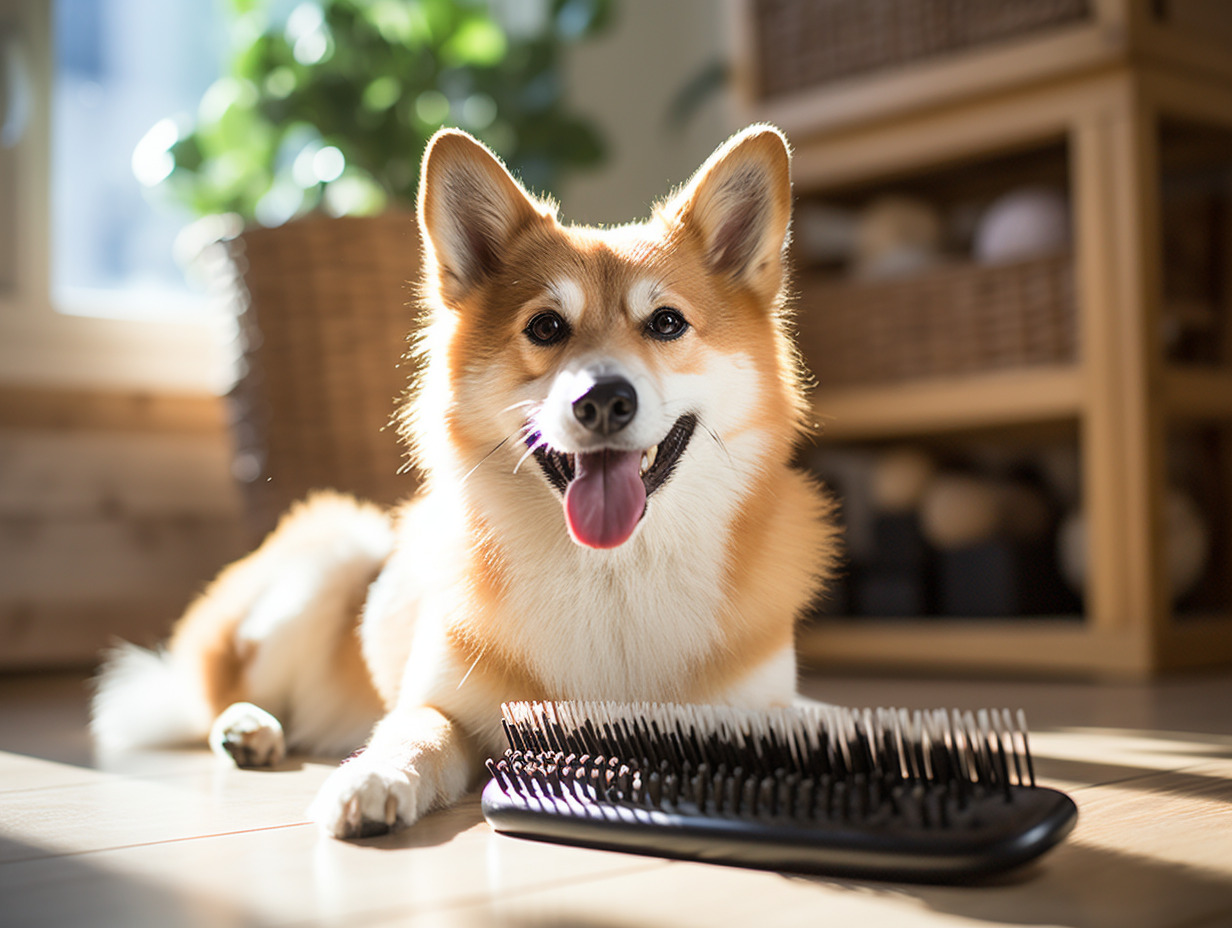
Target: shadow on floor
(60,890)
(1076,885)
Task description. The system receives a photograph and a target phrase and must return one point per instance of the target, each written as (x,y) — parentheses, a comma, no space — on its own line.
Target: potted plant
(303,159)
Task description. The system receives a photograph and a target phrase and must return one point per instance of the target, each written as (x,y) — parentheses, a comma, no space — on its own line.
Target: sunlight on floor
(182,838)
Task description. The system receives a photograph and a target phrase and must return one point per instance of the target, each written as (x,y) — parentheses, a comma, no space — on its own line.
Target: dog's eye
(546,328)
(666,324)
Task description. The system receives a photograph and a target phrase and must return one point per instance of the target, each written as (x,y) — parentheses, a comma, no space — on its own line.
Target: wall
(115,508)
(626,80)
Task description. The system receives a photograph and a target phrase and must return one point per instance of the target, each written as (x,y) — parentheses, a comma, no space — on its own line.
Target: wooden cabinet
(1111,89)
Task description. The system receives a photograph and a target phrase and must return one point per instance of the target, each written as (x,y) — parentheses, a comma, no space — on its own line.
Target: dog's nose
(608,406)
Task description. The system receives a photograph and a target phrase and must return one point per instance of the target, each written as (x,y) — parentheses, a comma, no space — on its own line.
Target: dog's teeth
(650,455)
(645,464)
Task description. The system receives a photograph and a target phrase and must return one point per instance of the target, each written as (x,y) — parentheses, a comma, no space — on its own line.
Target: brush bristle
(987,748)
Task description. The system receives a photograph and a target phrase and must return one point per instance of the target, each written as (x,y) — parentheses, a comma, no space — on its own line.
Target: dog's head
(604,358)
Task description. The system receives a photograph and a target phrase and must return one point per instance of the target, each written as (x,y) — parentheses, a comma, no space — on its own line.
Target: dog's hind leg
(267,658)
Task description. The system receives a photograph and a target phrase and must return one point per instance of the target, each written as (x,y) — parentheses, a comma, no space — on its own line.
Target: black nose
(608,406)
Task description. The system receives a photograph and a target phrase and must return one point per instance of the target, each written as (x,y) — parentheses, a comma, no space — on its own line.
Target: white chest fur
(631,623)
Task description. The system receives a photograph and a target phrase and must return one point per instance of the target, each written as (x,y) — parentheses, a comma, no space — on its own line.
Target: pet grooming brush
(931,796)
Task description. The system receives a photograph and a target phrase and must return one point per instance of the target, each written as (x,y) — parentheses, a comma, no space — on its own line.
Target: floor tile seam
(87,784)
(1135,777)
(44,789)
(164,841)
(110,777)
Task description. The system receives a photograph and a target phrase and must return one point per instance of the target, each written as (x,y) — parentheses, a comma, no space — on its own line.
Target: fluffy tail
(275,628)
(142,699)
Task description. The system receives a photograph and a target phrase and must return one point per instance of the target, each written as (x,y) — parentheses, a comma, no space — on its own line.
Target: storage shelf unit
(948,404)
(1103,87)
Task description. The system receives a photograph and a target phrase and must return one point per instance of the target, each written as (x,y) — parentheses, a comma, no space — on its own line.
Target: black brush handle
(993,835)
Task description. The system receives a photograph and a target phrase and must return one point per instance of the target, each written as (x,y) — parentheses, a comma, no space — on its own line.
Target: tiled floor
(179,838)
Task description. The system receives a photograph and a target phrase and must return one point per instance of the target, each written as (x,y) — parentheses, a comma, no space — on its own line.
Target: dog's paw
(366,797)
(249,735)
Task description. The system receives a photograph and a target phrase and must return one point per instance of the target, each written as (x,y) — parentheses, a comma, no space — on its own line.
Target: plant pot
(325,307)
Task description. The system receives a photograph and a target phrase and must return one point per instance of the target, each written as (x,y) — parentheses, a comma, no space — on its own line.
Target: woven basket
(325,308)
(957,319)
(808,43)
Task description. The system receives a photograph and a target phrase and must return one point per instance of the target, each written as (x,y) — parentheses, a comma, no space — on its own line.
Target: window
(125,71)
(123,344)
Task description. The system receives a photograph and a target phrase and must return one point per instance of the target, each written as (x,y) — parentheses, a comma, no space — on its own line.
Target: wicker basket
(957,319)
(808,43)
(325,307)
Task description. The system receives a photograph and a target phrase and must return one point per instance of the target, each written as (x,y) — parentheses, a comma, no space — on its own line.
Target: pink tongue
(605,500)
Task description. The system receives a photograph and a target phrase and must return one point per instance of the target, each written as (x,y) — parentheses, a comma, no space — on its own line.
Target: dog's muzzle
(606,490)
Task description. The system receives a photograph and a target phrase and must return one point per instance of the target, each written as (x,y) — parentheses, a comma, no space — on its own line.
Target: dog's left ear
(470,209)
(739,204)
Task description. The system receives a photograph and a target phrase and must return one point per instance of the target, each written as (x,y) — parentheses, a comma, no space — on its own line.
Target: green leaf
(696,92)
(382,93)
(398,22)
(242,7)
(355,193)
(432,107)
(479,42)
(280,82)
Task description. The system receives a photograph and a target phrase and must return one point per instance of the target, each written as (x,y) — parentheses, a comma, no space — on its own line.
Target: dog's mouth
(605,491)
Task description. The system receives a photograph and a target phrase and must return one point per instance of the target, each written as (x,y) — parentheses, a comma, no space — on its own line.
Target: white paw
(248,735)
(366,797)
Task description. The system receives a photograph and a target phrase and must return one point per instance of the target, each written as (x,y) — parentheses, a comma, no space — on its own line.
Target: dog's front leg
(418,759)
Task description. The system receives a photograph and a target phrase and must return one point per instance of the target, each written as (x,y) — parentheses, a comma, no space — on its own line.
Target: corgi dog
(604,422)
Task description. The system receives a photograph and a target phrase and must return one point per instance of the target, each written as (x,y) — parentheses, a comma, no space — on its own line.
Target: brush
(931,796)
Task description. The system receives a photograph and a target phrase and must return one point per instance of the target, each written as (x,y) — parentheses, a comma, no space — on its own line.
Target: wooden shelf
(1209,636)
(998,398)
(1198,393)
(1101,93)
(954,403)
(941,80)
(1063,645)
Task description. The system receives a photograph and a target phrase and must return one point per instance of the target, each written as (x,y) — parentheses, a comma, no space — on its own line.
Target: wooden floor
(179,838)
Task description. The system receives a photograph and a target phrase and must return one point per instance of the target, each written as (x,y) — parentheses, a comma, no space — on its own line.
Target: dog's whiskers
(519,405)
(468,673)
(718,441)
(495,449)
(520,433)
(529,451)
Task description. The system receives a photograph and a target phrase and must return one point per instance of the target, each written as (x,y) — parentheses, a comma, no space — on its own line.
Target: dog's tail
(143,699)
(276,628)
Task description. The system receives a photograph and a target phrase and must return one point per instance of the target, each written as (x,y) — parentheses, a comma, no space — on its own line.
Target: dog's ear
(739,205)
(470,208)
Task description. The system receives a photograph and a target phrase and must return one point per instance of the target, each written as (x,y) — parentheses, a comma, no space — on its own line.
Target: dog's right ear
(470,208)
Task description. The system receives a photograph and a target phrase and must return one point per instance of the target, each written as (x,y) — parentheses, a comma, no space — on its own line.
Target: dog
(604,422)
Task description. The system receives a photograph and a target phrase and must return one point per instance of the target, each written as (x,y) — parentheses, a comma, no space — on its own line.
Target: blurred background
(1012,238)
